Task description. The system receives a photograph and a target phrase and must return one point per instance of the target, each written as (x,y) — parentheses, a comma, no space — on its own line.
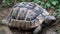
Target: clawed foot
(37,30)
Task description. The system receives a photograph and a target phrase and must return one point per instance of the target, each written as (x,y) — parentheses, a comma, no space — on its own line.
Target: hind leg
(37,30)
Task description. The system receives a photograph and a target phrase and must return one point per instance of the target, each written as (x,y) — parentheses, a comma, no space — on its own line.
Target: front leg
(37,30)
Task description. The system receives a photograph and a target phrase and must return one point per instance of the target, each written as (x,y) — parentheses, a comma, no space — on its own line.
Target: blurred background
(52,6)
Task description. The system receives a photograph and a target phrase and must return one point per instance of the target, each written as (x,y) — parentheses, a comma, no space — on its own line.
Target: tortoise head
(49,20)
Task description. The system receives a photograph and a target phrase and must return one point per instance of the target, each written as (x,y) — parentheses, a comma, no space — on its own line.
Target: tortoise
(28,15)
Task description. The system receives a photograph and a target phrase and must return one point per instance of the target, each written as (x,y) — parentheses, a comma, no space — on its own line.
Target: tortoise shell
(26,15)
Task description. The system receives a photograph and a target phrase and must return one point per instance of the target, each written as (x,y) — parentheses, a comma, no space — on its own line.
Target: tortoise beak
(50,20)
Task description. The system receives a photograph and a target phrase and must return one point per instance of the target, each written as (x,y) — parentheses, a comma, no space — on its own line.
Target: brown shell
(26,15)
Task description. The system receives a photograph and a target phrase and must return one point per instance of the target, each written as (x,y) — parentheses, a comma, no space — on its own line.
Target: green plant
(44,3)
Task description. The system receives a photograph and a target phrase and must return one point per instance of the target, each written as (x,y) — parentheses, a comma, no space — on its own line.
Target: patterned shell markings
(26,15)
